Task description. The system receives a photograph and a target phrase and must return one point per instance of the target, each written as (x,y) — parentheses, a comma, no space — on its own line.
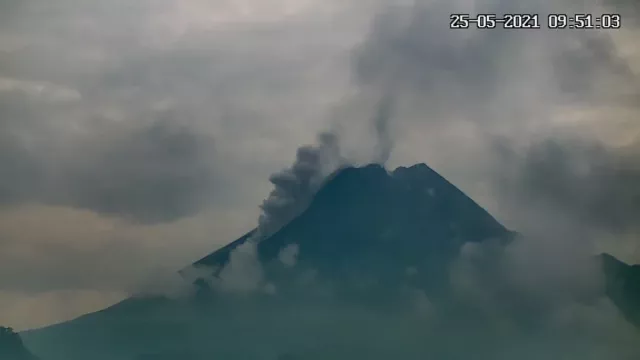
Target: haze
(136,137)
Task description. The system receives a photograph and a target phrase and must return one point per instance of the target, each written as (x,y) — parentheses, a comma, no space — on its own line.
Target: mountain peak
(416,169)
(378,221)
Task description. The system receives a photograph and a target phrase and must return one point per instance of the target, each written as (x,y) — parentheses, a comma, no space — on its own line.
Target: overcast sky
(137,136)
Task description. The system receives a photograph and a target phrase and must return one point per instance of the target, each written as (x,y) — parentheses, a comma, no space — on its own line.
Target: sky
(136,137)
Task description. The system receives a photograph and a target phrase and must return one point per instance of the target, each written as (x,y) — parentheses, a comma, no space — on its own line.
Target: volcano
(369,239)
(370,221)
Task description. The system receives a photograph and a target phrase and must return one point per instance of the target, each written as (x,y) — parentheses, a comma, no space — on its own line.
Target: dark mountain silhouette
(623,286)
(365,231)
(372,223)
(11,346)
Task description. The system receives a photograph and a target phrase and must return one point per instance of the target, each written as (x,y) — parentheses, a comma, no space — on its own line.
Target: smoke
(244,272)
(295,186)
(288,255)
(544,296)
(381,122)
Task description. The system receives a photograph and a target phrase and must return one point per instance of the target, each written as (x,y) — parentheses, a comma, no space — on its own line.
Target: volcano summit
(369,222)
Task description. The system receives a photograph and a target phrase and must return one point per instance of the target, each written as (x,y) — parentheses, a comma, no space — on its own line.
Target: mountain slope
(623,286)
(12,347)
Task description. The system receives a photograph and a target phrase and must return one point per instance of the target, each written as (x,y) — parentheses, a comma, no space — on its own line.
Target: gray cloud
(223,84)
(6,7)
(218,84)
(596,183)
(21,170)
(157,171)
(71,137)
(20,159)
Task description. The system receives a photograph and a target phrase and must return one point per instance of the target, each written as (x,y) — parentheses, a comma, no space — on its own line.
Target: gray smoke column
(295,186)
(381,122)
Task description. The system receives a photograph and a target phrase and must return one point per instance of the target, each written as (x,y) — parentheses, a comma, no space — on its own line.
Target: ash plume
(295,186)
(381,122)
